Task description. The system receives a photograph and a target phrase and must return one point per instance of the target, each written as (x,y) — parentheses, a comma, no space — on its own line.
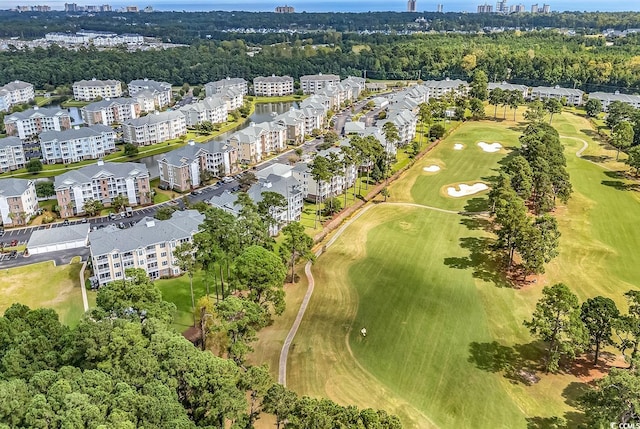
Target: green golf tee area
(445,345)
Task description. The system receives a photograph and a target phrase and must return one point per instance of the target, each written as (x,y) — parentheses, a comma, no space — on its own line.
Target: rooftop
(94,171)
(13,187)
(72,134)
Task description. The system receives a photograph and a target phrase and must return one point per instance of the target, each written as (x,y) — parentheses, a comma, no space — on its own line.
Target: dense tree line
(184,27)
(122,366)
(534,58)
(532,180)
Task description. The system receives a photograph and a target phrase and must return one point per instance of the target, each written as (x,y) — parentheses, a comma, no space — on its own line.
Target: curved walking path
(284,352)
(585,146)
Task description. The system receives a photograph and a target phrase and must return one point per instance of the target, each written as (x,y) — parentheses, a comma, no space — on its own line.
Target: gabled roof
(72,134)
(273,79)
(59,235)
(151,84)
(227,202)
(103,104)
(277,169)
(11,187)
(325,77)
(10,142)
(285,186)
(148,231)
(96,82)
(557,90)
(16,85)
(155,118)
(36,113)
(91,172)
(181,156)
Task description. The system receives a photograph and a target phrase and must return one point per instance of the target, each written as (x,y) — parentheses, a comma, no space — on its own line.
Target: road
(22,235)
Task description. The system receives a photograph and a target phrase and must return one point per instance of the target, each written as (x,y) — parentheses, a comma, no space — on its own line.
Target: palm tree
(320,173)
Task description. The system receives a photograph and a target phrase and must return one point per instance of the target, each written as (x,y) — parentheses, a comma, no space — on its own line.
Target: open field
(443,326)
(44,285)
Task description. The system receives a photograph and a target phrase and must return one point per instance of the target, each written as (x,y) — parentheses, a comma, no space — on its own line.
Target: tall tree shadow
(486,262)
(519,363)
(591,133)
(476,205)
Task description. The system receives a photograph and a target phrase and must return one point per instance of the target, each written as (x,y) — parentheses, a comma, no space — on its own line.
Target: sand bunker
(465,190)
(493,147)
(431,168)
(458,146)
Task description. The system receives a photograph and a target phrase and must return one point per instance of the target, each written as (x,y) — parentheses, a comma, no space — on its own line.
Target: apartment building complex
(16,92)
(77,144)
(150,94)
(11,154)
(524,89)
(217,87)
(607,98)
(89,90)
(257,140)
(149,244)
(102,182)
(438,88)
(310,84)
(34,121)
(573,96)
(212,109)
(18,201)
(108,112)
(154,128)
(273,86)
(181,169)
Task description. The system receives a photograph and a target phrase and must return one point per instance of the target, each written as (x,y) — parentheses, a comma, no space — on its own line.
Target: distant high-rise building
(440,8)
(285,9)
(485,8)
(534,8)
(411,6)
(546,8)
(501,7)
(520,8)
(70,7)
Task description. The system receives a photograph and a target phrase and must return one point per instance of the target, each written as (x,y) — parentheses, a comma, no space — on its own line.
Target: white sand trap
(493,147)
(458,146)
(465,190)
(431,168)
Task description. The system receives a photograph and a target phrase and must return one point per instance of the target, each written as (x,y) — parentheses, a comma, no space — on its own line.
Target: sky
(339,6)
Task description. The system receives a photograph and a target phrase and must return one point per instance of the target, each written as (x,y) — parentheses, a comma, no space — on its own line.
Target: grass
(442,323)
(177,291)
(45,285)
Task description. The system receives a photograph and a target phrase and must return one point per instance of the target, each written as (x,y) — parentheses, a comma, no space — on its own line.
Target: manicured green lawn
(177,291)
(44,285)
(441,322)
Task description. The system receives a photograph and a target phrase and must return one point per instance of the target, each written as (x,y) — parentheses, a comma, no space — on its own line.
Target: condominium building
(109,112)
(34,121)
(77,144)
(149,244)
(438,88)
(181,169)
(212,109)
(233,97)
(18,201)
(323,189)
(217,87)
(150,94)
(607,98)
(11,154)
(285,9)
(290,189)
(16,92)
(88,90)
(294,122)
(572,96)
(102,182)
(311,84)
(154,128)
(273,86)
(405,122)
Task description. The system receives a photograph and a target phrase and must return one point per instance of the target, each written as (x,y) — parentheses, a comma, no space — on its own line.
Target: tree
(34,166)
(262,273)
(240,321)
(390,131)
(119,202)
(553,106)
(92,207)
(45,189)
(164,212)
(622,137)
(598,315)
(479,85)
(297,244)
(634,159)
(496,96)
(476,106)
(271,205)
(593,107)
(618,112)
(320,173)
(515,99)
(184,255)
(521,176)
(246,180)
(130,150)
(511,217)
(332,205)
(280,402)
(437,131)
(627,329)
(556,321)
(535,112)
(614,401)
(133,298)
(331,138)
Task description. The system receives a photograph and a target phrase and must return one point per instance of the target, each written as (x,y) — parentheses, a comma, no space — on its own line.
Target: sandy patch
(493,147)
(458,146)
(464,190)
(431,168)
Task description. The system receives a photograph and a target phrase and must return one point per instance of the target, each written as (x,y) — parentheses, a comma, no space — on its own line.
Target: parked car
(65,222)
(121,225)
(13,254)
(14,243)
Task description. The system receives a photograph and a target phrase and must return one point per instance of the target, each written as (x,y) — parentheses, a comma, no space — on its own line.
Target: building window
(165,263)
(116,265)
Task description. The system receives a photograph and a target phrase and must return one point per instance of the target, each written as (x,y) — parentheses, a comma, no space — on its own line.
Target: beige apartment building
(150,245)
(34,121)
(18,201)
(273,86)
(89,90)
(154,128)
(109,112)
